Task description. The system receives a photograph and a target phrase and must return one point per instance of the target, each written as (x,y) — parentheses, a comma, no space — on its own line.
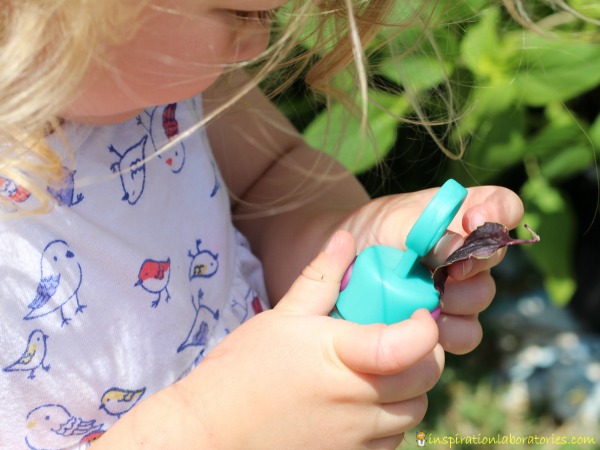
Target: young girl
(129,297)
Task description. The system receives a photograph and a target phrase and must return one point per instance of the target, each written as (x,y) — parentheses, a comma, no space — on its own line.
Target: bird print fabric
(60,280)
(33,357)
(11,191)
(126,285)
(154,277)
(117,401)
(52,427)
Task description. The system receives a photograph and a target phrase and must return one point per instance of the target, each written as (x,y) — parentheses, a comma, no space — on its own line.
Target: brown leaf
(480,244)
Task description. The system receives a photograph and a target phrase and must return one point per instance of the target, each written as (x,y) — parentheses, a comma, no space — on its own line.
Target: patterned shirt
(124,286)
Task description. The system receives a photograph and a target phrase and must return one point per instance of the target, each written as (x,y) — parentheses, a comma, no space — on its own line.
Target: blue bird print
(251,303)
(52,427)
(65,193)
(33,356)
(116,401)
(204,322)
(217,183)
(132,170)
(60,280)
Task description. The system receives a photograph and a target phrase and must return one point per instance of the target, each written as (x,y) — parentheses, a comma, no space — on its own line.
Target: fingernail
(333,244)
(468,266)
(475,221)
(447,244)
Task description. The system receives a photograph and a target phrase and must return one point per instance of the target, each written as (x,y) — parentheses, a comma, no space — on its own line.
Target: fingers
(462,270)
(394,418)
(459,328)
(448,243)
(412,382)
(381,349)
(459,334)
(386,443)
(317,288)
(470,296)
(492,204)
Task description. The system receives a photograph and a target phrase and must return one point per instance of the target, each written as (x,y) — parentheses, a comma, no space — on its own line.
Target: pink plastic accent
(436,313)
(346,277)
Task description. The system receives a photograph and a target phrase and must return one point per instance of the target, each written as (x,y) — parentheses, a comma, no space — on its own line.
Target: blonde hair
(524,14)
(45,51)
(47,47)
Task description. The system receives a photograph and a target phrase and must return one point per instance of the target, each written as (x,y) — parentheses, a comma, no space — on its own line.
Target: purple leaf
(480,244)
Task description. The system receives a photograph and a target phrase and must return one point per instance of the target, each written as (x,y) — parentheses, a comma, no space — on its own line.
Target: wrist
(169,419)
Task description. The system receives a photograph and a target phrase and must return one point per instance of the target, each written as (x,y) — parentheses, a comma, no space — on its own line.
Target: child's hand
(470,287)
(294,378)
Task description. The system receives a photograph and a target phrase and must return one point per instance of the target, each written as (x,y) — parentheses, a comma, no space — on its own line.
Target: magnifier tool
(385,284)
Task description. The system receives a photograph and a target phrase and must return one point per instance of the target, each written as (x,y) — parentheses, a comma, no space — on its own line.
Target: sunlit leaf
(549,213)
(480,46)
(548,70)
(416,72)
(589,8)
(340,134)
(566,164)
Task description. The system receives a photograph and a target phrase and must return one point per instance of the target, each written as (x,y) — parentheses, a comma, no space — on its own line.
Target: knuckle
(486,288)
(473,336)
(387,359)
(312,273)
(430,374)
(420,404)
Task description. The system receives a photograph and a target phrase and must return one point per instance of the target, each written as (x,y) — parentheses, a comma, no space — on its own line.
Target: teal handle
(432,224)
(385,284)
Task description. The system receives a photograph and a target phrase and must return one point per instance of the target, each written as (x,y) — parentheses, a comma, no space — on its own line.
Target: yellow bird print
(116,401)
(33,357)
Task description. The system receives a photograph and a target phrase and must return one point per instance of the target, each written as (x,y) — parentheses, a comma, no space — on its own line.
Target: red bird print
(154,278)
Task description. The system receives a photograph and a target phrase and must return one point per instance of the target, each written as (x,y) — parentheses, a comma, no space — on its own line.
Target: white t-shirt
(124,286)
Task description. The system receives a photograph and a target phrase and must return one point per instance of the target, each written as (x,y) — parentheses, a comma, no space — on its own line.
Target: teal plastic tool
(385,284)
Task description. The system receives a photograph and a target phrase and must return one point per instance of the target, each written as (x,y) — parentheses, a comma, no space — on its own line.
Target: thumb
(316,290)
(386,349)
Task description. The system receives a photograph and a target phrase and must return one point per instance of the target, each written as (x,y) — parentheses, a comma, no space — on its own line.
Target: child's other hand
(470,287)
(294,378)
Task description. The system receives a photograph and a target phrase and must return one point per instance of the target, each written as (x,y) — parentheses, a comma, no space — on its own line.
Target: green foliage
(481,415)
(523,110)
(339,132)
(548,213)
(519,117)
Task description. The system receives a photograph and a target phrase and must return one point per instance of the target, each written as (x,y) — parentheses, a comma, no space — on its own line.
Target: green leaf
(540,69)
(339,133)
(549,214)
(555,138)
(567,163)
(421,61)
(594,133)
(480,46)
(327,32)
(497,146)
(589,8)
(451,11)
(486,102)
(548,70)
(416,72)
(562,147)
